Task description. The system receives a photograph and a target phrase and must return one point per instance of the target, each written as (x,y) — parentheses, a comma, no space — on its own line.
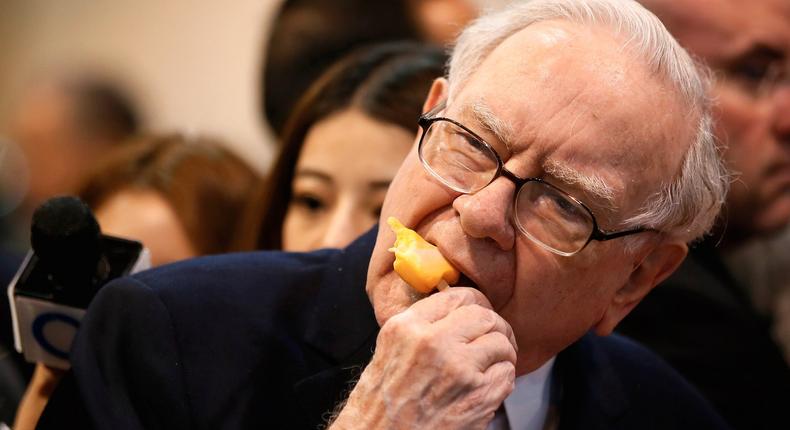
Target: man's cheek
(402,187)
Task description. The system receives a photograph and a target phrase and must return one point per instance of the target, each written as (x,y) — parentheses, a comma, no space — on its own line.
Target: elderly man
(561,167)
(701,320)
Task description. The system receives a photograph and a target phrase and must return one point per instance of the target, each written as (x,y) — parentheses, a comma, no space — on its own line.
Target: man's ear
(436,94)
(653,268)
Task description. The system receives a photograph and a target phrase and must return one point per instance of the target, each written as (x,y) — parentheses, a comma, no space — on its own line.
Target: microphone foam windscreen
(65,236)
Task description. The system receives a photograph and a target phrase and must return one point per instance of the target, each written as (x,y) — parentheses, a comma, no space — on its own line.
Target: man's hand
(446,362)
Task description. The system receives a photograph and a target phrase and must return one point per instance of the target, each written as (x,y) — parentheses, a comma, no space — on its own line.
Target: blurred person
(14,370)
(62,126)
(781,309)
(185,195)
(180,196)
(764,266)
(562,167)
(342,147)
(58,128)
(308,36)
(14,181)
(701,319)
(440,21)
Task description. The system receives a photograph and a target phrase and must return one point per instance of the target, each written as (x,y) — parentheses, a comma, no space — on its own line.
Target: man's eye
(308,202)
(557,206)
(467,153)
(476,146)
(565,206)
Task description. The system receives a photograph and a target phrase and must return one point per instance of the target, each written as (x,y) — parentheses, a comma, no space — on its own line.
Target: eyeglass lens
(549,216)
(544,213)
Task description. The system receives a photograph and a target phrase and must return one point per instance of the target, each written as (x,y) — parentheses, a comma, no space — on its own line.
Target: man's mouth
(464,281)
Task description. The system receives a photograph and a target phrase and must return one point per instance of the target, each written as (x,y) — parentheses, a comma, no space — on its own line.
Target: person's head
(63,125)
(440,21)
(748,45)
(181,197)
(308,36)
(342,147)
(590,97)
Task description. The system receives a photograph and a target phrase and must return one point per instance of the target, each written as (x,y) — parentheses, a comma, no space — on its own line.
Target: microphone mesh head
(66,237)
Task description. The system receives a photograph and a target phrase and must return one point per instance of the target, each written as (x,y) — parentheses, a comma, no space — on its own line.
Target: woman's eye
(308,202)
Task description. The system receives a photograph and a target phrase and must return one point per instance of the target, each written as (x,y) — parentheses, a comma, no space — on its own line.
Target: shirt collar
(527,406)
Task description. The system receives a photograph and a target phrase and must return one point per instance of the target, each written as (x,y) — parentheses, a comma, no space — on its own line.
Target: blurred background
(189,66)
(78,78)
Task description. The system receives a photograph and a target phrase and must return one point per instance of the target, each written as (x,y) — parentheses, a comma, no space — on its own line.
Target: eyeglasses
(550,217)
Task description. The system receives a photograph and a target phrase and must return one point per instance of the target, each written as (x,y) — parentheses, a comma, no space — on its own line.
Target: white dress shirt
(527,406)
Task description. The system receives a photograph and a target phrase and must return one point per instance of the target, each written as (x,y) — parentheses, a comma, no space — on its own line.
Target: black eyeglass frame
(597,233)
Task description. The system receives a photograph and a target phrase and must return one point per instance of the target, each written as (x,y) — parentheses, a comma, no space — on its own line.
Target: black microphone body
(70,261)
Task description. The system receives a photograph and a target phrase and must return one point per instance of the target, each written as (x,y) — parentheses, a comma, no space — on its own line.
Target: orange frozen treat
(418,262)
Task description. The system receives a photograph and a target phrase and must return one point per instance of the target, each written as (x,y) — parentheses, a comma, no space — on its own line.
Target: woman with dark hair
(341,148)
(308,36)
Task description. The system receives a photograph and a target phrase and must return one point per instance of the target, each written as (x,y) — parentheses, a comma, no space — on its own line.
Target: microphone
(69,262)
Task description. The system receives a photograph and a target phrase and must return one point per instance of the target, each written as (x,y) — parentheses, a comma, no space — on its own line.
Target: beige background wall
(192,64)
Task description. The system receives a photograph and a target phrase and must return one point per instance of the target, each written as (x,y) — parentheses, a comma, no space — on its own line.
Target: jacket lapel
(340,332)
(591,393)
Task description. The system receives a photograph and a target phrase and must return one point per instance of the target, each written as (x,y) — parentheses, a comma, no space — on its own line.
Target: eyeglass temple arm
(436,109)
(602,236)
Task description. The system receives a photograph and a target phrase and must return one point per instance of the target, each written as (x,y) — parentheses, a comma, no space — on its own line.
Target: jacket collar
(342,328)
(341,323)
(340,331)
(589,386)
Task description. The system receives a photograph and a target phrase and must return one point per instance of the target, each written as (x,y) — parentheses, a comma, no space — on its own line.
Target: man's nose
(487,213)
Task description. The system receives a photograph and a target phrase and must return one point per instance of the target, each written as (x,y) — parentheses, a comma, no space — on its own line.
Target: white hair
(688,203)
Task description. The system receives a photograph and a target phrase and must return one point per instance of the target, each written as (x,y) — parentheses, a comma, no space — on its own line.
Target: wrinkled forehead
(571,95)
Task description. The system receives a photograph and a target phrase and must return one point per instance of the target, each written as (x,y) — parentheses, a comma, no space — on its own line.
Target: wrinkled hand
(446,362)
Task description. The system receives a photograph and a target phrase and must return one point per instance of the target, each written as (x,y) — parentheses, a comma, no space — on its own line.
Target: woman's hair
(206,185)
(388,82)
(308,36)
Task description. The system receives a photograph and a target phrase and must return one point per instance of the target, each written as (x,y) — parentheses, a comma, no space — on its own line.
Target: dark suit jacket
(702,322)
(274,340)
